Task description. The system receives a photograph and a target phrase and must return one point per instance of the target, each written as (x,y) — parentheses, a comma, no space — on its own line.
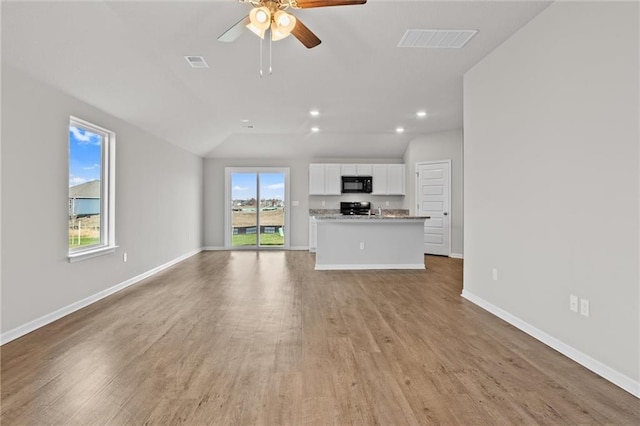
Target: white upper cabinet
(348,169)
(332,179)
(324,179)
(316,179)
(379,178)
(356,169)
(388,179)
(395,179)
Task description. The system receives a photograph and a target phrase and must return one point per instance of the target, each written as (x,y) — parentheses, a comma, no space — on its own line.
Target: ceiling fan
(271,14)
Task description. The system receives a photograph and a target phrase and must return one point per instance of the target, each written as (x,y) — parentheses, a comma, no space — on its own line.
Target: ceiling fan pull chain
(270,61)
(260,58)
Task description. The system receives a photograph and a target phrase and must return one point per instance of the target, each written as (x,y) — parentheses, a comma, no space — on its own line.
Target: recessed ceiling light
(245,120)
(421,114)
(314,112)
(315,129)
(399,129)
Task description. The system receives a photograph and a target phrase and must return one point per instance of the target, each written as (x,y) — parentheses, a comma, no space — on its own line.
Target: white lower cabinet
(313,234)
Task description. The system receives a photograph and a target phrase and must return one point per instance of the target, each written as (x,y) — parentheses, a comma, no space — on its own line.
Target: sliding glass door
(256,206)
(244,212)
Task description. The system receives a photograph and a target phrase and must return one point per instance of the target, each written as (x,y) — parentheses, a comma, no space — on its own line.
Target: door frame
(227,204)
(417,191)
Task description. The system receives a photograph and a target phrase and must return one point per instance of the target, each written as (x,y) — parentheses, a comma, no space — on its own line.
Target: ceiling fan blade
(305,35)
(235,31)
(306,4)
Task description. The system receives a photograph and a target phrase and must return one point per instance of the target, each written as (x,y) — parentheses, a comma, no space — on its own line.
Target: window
(91,190)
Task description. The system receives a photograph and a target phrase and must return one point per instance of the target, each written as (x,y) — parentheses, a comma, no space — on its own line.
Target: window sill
(77,257)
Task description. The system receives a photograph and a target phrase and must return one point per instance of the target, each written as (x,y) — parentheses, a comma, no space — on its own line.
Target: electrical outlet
(494,274)
(387,203)
(573,303)
(124,257)
(323,203)
(295,203)
(584,307)
(362,245)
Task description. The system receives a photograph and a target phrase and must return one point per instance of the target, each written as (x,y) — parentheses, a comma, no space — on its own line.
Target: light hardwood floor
(242,338)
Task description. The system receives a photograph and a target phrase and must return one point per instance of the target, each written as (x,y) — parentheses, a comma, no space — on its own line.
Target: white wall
(214,203)
(552,181)
(158,203)
(432,147)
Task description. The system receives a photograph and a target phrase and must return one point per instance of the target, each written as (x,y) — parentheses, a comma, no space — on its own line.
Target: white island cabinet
(363,242)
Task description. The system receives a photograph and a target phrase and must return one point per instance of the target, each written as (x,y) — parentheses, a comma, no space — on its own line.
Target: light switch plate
(573,303)
(584,307)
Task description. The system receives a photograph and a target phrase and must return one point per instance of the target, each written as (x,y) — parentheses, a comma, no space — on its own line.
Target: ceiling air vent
(197,62)
(436,39)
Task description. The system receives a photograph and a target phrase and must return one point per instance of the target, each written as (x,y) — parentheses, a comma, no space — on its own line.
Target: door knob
(445,213)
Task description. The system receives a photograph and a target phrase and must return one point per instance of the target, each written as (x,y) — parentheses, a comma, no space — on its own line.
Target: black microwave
(357,184)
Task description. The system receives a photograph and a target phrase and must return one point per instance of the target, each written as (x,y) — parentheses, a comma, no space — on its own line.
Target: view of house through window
(87,185)
(257,216)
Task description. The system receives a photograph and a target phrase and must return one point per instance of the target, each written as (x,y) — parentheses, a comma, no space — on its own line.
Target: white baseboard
(216,248)
(608,373)
(456,255)
(21,330)
(372,266)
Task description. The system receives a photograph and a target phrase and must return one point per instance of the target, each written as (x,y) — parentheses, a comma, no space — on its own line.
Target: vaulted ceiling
(127,58)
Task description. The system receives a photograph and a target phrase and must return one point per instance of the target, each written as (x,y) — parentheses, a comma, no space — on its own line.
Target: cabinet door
(364,169)
(348,169)
(332,179)
(379,176)
(316,179)
(395,179)
(313,234)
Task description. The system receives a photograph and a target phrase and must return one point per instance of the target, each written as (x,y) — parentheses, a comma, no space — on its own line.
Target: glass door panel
(244,209)
(271,214)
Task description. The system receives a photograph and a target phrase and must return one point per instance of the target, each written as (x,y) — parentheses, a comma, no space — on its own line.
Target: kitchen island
(370,242)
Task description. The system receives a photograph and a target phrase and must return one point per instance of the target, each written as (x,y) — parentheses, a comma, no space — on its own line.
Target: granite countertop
(334,214)
(367,217)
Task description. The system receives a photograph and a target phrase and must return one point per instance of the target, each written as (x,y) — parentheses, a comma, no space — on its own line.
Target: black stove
(355,207)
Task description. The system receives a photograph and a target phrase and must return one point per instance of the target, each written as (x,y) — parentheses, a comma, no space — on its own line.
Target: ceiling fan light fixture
(283,24)
(259,20)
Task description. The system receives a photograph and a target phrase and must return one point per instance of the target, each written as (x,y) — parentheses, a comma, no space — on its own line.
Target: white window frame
(107,197)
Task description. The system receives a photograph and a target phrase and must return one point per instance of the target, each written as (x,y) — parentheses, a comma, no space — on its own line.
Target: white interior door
(433,199)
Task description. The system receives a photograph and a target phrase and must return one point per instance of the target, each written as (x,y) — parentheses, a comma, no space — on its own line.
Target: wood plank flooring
(242,338)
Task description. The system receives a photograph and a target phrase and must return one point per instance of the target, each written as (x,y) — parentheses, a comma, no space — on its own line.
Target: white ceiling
(127,58)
